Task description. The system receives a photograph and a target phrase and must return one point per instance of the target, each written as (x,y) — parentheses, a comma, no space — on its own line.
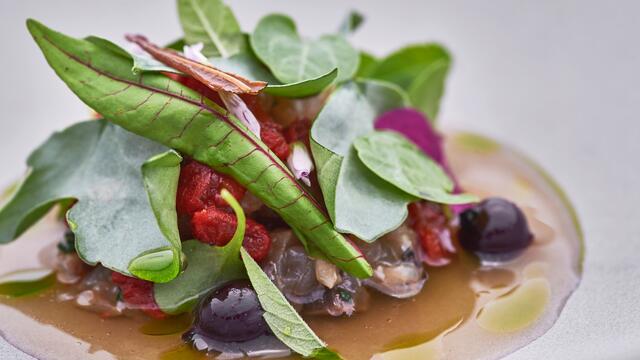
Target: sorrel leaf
(292,59)
(420,70)
(115,220)
(395,159)
(359,202)
(211,77)
(209,267)
(284,321)
(212,23)
(154,106)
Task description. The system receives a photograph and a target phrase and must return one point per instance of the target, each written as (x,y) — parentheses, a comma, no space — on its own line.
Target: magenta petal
(416,127)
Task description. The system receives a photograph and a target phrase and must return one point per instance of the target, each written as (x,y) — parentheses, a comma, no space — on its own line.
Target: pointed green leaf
(212,23)
(158,108)
(421,70)
(114,221)
(284,321)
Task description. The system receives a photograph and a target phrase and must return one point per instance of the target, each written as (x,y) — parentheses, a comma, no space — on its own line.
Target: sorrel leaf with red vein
(154,106)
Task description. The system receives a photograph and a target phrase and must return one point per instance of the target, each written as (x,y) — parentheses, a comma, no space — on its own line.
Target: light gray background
(557,79)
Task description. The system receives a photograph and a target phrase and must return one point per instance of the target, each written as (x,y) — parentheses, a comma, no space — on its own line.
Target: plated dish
(269,195)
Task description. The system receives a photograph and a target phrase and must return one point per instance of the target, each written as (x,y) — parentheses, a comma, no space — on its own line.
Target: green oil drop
(26,282)
(183,352)
(170,326)
(517,309)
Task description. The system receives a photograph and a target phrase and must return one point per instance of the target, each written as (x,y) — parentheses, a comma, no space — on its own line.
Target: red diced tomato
(216,227)
(138,294)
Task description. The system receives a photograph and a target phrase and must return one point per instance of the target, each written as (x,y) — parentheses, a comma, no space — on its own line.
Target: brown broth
(467,310)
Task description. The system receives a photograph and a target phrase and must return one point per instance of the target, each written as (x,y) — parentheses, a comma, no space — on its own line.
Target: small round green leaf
(153,261)
(293,59)
(398,161)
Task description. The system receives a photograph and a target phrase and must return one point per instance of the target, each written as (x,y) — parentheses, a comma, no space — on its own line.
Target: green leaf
(160,175)
(284,321)
(293,59)
(351,23)
(247,65)
(427,89)
(177,45)
(156,107)
(212,23)
(359,202)
(244,64)
(303,88)
(141,61)
(421,70)
(368,63)
(209,267)
(397,160)
(116,221)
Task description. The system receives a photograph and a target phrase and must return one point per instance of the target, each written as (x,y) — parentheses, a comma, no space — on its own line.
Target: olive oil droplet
(517,309)
(26,282)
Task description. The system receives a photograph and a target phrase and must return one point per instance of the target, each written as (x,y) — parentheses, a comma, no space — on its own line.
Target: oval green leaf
(213,24)
(421,70)
(397,160)
(358,201)
(293,59)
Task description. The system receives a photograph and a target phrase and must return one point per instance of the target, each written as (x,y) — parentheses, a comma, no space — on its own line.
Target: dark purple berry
(494,229)
(231,313)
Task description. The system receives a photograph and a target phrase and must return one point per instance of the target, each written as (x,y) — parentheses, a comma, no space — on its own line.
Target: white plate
(559,79)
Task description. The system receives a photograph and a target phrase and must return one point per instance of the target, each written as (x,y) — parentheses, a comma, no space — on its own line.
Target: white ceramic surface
(556,78)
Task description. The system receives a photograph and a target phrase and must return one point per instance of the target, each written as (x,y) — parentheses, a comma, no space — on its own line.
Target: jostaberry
(231,313)
(495,229)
